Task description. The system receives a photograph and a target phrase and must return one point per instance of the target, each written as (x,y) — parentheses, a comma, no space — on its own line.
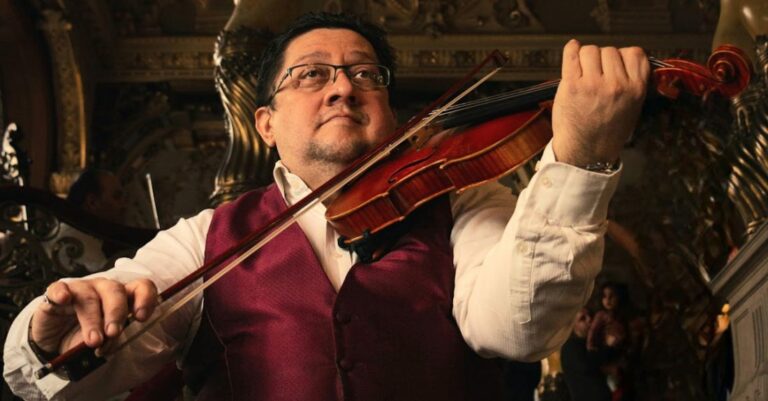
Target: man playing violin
(478,275)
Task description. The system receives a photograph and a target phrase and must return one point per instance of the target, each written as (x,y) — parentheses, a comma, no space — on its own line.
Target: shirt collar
(290,185)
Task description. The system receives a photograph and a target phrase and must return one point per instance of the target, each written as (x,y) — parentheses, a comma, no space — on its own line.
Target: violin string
(505,96)
(520,93)
(531,89)
(509,100)
(512,95)
(658,63)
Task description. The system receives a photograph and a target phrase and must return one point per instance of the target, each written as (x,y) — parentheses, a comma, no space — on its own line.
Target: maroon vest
(275,329)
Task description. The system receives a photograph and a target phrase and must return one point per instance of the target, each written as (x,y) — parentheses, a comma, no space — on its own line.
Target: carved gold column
(744,23)
(748,184)
(69,98)
(248,162)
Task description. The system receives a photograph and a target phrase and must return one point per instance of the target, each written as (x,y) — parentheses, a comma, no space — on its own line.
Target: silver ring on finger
(48,300)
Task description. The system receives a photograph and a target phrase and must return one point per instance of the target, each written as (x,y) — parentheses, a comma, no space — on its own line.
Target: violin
(497,146)
(490,137)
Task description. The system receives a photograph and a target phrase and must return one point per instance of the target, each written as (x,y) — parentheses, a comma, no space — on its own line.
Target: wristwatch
(602,167)
(41,354)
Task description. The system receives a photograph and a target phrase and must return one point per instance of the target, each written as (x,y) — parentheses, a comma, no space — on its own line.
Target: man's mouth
(355,117)
(343,117)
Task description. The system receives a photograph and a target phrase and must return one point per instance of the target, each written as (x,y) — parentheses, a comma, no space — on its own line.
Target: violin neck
(476,111)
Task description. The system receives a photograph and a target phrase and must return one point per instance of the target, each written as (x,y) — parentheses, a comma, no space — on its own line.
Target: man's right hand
(89,310)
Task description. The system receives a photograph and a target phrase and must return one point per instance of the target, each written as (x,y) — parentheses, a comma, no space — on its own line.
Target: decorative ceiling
(135,40)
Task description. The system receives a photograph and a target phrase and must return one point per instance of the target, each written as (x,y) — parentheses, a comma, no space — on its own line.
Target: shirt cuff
(547,157)
(568,195)
(49,385)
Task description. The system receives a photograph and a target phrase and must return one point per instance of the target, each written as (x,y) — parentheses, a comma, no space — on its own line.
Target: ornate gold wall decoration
(633,16)
(531,57)
(162,58)
(70,104)
(515,15)
(436,17)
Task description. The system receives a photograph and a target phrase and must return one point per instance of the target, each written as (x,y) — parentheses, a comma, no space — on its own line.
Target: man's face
(109,203)
(583,321)
(320,132)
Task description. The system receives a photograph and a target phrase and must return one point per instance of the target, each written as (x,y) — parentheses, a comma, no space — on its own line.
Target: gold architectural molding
(162,58)
(69,103)
(532,57)
(633,16)
(438,17)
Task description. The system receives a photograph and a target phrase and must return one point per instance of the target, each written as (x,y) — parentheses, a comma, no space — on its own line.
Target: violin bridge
(422,138)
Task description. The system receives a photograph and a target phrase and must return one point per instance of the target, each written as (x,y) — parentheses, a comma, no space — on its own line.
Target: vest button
(342,317)
(345,364)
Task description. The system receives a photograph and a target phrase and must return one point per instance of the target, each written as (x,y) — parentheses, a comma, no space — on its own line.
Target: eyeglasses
(315,76)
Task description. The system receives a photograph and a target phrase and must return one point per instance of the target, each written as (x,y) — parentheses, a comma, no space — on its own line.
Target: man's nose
(341,88)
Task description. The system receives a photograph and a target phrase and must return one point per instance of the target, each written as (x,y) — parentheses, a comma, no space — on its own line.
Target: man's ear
(262,117)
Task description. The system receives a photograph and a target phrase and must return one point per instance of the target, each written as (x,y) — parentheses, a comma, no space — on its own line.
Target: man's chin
(338,130)
(335,154)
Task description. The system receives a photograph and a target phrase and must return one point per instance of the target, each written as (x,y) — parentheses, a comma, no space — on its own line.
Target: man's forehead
(324,43)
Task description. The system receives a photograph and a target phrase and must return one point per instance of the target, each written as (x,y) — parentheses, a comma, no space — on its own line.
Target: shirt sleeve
(170,256)
(524,267)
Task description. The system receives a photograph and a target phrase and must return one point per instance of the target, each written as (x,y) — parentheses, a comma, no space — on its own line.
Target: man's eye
(363,74)
(368,75)
(313,73)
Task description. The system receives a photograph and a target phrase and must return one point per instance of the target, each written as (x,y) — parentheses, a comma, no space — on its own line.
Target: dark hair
(272,56)
(87,183)
(621,292)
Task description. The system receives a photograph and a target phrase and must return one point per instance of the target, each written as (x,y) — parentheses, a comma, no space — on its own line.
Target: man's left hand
(598,102)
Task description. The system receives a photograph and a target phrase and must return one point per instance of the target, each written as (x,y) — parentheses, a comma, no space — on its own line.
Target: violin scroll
(727,73)
(732,67)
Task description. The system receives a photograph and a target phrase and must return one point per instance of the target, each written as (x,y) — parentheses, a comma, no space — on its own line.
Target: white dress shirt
(520,277)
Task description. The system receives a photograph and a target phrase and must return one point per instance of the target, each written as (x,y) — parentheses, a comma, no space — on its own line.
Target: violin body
(447,162)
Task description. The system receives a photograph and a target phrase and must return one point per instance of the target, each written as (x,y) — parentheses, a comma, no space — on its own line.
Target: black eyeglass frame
(387,74)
